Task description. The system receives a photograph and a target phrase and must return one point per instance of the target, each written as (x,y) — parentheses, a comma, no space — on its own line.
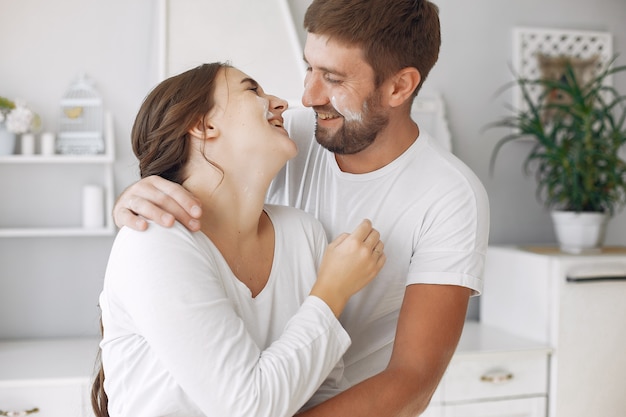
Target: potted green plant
(577,129)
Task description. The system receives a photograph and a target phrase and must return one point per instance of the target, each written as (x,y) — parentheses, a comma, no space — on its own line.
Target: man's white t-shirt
(432,213)
(184,337)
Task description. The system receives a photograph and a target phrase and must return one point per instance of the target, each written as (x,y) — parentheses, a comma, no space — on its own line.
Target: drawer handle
(497,377)
(19,413)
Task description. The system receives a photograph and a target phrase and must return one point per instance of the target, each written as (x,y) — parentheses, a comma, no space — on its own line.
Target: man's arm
(157,199)
(429,328)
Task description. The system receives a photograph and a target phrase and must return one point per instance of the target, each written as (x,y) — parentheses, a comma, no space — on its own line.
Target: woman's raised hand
(351,261)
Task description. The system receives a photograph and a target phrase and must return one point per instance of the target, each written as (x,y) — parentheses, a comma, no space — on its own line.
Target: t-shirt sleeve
(169,291)
(450,247)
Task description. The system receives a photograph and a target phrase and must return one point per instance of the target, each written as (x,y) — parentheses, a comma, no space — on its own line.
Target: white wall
(266,48)
(49,286)
(474,63)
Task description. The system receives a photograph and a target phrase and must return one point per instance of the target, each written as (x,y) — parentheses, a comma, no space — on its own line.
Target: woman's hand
(159,200)
(351,261)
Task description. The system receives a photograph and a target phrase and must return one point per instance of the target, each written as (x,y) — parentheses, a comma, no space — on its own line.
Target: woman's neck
(232,216)
(237,225)
(231,209)
(234,220)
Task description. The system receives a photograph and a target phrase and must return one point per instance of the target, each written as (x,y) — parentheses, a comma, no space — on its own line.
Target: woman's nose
(277,103)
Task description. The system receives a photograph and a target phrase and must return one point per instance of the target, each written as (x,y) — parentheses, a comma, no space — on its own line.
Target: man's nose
(314,92)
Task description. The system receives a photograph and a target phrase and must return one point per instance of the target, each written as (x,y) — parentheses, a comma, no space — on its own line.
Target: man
(367,59)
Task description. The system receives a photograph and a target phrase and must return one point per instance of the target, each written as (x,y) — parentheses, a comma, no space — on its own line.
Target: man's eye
(255,89)
(331,80)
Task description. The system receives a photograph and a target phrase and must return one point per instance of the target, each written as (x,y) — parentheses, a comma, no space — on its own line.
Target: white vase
(579,232)
(7,141)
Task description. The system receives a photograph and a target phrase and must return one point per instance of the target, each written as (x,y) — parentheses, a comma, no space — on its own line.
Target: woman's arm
(171,292)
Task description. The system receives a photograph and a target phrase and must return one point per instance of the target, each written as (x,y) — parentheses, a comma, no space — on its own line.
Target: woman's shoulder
(155,231)
(156,239)
(288,213)
(157,249)
(292,217)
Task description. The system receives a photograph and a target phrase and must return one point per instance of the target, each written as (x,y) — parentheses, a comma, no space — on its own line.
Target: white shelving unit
(104,162)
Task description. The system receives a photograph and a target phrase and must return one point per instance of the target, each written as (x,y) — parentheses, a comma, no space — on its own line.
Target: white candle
(47,143)
(93,206)
(28,144)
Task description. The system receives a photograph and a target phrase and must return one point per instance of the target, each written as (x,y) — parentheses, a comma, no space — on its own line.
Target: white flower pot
(7,141)
(579,232)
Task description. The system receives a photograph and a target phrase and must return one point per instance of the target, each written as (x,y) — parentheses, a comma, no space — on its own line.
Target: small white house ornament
(81,119)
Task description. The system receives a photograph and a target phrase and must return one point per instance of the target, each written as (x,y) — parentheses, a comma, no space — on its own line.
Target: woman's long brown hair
(99,399)
(159,139)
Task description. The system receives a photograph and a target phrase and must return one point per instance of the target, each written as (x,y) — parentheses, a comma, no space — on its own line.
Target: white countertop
(479,339)
(75,358)
(47,359)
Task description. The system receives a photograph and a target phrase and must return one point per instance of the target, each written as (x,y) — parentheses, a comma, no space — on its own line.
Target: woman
(230,320)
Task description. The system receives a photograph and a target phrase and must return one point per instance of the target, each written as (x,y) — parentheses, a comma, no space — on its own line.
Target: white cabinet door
(496,375)
(526,407)
(493,374)
(51,399)
(53,376)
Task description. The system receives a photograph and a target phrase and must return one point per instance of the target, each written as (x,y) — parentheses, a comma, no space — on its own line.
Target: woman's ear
(204,129)
(404,84)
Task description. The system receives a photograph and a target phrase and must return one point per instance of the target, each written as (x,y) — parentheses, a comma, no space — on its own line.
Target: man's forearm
(430,325)
(391,393)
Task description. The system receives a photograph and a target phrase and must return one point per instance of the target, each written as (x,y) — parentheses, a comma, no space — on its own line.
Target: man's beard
(354,135)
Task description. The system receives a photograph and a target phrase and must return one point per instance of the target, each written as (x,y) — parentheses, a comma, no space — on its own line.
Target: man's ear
(404,84)
(204,129)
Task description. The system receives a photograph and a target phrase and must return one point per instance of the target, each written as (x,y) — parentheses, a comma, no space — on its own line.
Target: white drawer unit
(47,378)
(576,304)
(44,398)
(514,407)
(493,373)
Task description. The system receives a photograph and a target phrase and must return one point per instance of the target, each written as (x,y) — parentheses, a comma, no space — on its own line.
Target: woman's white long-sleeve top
(183,336)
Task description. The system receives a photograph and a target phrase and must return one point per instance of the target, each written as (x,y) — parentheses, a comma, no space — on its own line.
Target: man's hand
(159,200)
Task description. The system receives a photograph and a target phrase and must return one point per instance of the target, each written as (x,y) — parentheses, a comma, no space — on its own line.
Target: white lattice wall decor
(529,42)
